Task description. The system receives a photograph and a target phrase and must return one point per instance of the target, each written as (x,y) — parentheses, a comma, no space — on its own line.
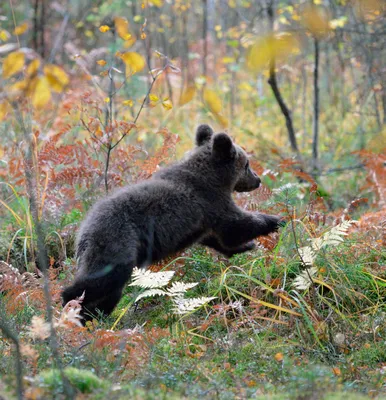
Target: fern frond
(317,244)
(147,279)
(151,293)
(302,281)
(307,255)
(183,306)
(334,236)
(179,288)
(286,188)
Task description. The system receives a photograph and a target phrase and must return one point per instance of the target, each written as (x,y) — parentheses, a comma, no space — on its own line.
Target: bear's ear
(203,134)
(223,146)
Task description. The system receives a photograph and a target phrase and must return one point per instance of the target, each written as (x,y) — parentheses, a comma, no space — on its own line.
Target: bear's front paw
(240,249)
(249,246)
(282,222)
(272,223)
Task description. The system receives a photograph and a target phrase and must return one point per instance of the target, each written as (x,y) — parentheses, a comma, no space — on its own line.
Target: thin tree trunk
(31,184)
(276,91)
(315,127)
(35,34)
(39,21)
(42,29)
(304,105)
(204,35)
(10,333)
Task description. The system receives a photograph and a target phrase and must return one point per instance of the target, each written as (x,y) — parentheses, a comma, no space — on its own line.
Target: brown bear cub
(188,202)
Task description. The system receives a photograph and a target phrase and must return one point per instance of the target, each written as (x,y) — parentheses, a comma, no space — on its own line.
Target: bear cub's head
(227,155)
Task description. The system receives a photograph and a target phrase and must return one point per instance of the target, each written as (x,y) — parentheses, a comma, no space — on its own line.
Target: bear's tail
(102,290)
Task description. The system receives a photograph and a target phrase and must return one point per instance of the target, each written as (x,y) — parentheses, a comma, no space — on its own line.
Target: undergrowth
(302,316)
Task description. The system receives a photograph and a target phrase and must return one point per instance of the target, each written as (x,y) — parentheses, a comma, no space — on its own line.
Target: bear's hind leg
(102,290)
(103,305)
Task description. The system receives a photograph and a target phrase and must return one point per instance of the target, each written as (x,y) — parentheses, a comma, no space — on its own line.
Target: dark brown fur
(190,201)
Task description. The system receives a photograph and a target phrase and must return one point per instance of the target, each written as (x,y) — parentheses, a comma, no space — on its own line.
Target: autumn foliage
(95,98)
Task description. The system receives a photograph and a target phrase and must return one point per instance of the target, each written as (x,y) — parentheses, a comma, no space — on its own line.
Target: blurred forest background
(99,94)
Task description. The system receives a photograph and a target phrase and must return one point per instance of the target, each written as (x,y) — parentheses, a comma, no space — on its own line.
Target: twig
(336,170)
(59,37)
(10,334)
(154,78)
(298,251)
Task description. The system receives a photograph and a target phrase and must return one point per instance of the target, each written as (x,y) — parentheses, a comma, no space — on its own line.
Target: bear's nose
(258,181)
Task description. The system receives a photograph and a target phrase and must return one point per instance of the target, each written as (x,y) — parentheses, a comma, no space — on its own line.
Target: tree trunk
(204,35)
(315,127)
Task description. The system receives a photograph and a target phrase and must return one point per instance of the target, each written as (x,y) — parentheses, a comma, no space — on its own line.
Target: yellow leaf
(41,93)
(129,41)
(19,30)
(102,63)
(122,27)
(104,28)
(13,64)
(336,371)
(128,103)
(187,95)
(56,77)
(33,67)
(167,104)
(4,109)
(153,97)
(316,20)
(134,62)
(277,46)
(212,101)
(228,60)
(338,23)
(245,86)
(143,35)
(106,99)
(279,357)
(157,3)
(4,35)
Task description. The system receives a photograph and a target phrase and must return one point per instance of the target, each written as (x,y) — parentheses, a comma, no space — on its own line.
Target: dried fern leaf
(147,279)
(183,306)
(179,288)
(302,281)
(151,293)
